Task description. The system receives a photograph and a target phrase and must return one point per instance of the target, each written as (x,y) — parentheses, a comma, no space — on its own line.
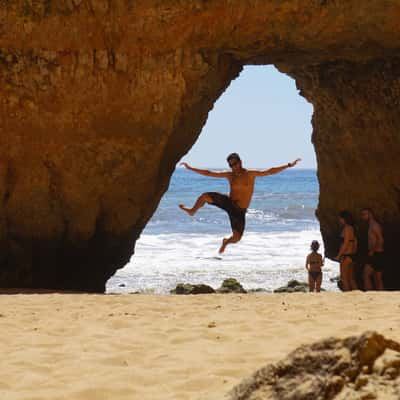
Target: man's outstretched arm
(206,172)
(275,170)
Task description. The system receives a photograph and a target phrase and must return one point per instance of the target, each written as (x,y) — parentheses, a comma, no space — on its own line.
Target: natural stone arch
(101,98)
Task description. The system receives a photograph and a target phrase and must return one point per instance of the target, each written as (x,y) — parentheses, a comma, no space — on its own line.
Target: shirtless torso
(375,237)
(375,263)
(242,187)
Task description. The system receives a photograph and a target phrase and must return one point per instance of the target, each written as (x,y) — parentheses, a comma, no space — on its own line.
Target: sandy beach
(66,346)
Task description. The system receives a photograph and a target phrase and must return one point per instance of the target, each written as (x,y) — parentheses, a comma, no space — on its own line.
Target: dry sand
(152,347)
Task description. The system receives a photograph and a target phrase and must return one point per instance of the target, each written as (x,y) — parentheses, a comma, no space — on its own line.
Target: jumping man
(241,183)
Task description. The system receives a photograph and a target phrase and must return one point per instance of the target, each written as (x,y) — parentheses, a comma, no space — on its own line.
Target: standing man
(241,182)
(375,262)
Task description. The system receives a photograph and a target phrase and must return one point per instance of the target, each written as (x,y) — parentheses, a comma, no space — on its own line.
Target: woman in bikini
(347,251)
(314,263)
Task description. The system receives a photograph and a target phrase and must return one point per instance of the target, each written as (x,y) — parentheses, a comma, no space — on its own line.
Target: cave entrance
(262,117)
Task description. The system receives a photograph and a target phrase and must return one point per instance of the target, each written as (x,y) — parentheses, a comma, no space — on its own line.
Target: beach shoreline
(88,346)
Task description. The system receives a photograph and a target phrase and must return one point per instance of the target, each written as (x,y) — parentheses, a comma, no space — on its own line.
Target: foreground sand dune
(167,347)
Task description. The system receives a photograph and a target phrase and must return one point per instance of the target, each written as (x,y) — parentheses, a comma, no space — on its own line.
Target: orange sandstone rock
(100,98)
(356,368)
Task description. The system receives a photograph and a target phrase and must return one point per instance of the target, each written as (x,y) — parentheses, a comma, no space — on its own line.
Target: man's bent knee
(236,236)
(206,197)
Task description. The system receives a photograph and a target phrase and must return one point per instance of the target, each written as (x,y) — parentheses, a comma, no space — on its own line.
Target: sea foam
(260,260)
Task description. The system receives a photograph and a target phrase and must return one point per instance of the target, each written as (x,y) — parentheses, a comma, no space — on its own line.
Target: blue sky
(262,117)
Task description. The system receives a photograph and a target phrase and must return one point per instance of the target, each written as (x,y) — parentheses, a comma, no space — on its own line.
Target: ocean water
(175,247)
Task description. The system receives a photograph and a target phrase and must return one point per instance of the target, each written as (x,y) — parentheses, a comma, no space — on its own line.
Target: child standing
(314,263)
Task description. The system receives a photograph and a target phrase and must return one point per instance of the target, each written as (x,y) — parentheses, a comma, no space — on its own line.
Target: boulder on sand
(187,288)
(231,285)
(292,287)
(359,367)
(258,290)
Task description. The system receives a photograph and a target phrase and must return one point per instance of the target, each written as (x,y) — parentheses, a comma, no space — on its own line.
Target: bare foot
(188,210)
(224,244)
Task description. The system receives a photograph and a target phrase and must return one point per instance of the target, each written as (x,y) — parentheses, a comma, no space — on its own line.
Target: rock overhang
(102,98)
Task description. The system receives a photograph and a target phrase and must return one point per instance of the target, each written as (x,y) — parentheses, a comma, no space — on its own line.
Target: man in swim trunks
(375,263)
(241,183)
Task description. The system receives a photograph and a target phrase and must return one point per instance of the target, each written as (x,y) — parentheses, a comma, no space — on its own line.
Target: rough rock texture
(293,287)
(356,368)
(188,288)
(356,137)
(101,98)
(231,285)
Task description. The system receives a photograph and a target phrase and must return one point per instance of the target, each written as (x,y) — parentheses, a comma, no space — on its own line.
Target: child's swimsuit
(315,259)
(315,274)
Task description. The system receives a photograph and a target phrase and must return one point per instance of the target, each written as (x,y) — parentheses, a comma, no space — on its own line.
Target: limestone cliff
(101,98)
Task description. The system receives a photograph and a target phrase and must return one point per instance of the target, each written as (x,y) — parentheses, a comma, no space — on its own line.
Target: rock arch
(100,99)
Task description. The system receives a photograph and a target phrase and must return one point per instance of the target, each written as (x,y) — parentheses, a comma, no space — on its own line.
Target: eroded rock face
(100,99)
(356,137)
(356,368)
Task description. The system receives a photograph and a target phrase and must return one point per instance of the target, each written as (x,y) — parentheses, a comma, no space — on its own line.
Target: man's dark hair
(233,156)
(347,216)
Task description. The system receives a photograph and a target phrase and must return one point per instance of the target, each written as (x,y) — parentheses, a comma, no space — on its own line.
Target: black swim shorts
(236,214)
(377,261)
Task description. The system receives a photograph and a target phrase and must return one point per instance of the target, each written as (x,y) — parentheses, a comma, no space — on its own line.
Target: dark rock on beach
(258,290)
(187,288)
(231,285)
(338,282)
(355,368)
(292,287)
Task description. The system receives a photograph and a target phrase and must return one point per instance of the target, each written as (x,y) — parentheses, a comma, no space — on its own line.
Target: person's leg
(310,283)
(353,283)
(238,223)
(236,236)
(203,199)
(344,272)
(378,280)
(367,275)
(319,282)
(348,274)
